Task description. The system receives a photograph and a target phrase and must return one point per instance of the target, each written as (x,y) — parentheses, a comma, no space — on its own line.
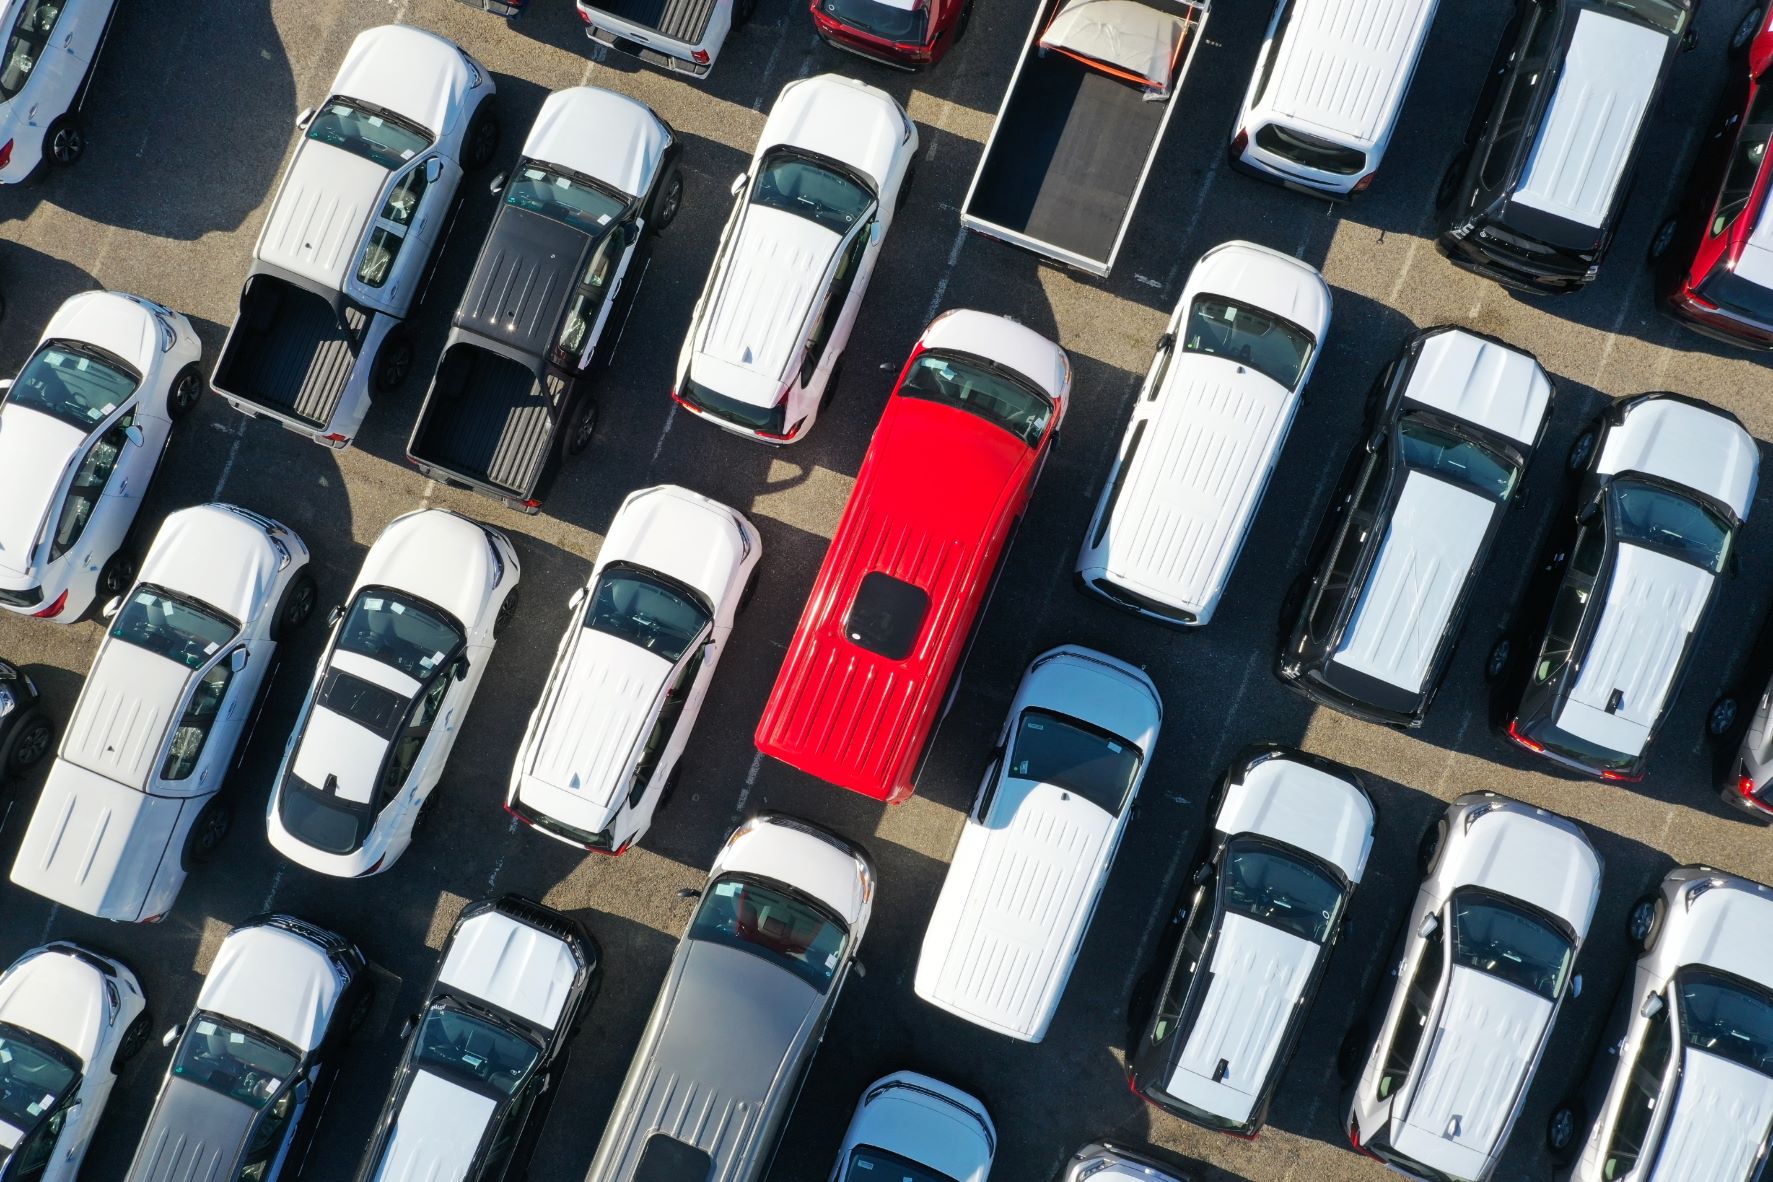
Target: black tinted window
(1497,937)
(368,705)
(645,610)
(666,1159)
(1412,1020)
(982,388)
(1310,150)
(1460,460)
(1280,888)
(811,189)
(398,630)
(744,912)
(1075,756)
(176,628)
(1642,1093)
(1728,1018)
(73,383)
(1668,521)
(887,615)
(769,420)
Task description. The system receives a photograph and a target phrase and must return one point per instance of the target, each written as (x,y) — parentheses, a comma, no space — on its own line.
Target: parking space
(191,119)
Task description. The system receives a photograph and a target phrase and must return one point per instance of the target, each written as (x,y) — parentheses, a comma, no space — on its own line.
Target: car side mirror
(858,968)
(172,1034)
(690,893)
(433,170)
(237,659)
(407,1027)
(1431,923)
(335,615)
(134,434)
(1201,873)
(498,184)
(576,600)
(305,118)
(460,669)
(1654,1007)
(112,607)
(1576,986)
(739,183)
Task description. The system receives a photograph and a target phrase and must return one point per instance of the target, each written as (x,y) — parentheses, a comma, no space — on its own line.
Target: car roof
(275,980)
(130,698)
(191,1126)
(1481,381)
(1688,443)
(319,215)
(513,965)
(528,270)
(846,120)
(1291,800)
(1718,1123)
(1608,79)
(600,134)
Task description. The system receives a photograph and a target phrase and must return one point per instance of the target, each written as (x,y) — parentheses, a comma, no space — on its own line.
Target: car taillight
(507,807)
(532,503)
(1514,732)
(54,609)
(336,437)
(1360,186)
(700,57)
(1239,142)
(155,918)
(1746,786)
(585,15)
(5,153)
(1354,1139)
(1619,777)
(374,867)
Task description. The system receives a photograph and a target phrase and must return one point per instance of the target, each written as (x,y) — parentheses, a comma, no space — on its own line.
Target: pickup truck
(1080,125)
(320,327)
(683,36)
(562,261)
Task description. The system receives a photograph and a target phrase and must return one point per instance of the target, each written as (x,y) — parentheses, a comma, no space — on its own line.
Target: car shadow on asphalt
(33,285)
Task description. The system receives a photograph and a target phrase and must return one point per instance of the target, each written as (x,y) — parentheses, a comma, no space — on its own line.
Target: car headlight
(7,702)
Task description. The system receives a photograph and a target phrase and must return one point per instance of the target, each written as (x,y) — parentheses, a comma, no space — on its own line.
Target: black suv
(1533,198)
(25,731)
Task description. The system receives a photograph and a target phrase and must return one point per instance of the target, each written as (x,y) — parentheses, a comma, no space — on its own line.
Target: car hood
(1298,805)
(408,71)
(121,720)
(1697,446)
(682,534)
(925,1121)
(601,134)
(840,118)
(273,979)
(59,997)
(320,213)
(439,1126)
(1720,1115)
(114,322)
(216,555)
(93,844)
(1529,855)
(1482,382)
(603,700)
(35,451)
(519,968)
(437,556)
(194,1135)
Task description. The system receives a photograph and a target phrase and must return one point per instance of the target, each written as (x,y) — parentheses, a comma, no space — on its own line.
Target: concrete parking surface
(190,121)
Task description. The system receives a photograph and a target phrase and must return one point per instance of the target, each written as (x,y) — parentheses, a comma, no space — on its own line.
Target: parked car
(50,51)
(1320,138)
(682,36)
(1056,796)
(82,430)
(1102,1161)
(1287,844)
(1748,785)
(252,1067)
(917,1128)
(70,1019)
(25,729)
(773,941)
(909,36)
(1683,1084)
(1228,377)
(1080,126)
(137,795)
(1438,1070)
(1534,197)
(484,1053)
(567,251)
(601,754)
(765,343)
(407,651)
(902,587)
(320,329)
(1664,483)
(1714,256)
(1452,425)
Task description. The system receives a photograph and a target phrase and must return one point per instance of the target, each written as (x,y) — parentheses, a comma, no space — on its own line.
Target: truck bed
(287,351)
(488,421)
(680,20)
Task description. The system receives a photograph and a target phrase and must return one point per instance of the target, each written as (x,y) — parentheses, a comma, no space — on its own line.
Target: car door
(31,1160)
(95,510)
(595,296)
(42,67)
(201,741)
(392,266)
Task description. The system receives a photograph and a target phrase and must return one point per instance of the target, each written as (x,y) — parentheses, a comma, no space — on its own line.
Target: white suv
(133,799)
(601,753)
(82,430)
(46,62)
(766,341)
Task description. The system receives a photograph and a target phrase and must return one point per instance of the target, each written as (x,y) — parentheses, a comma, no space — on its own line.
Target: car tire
(65,141)
(132,1042)
(1562,1129)
(295,607)
(1746,28)
(481,143)
(207,833)
(1661,240)
(1429,848)
(394,361)
(507,612)
(1581,451)
(1643,923)
(830,392)
(184,392)
(1721,719)
(31,741)
(584,426)
(117,575)
(669,202)
(360,1010)
(1497,663)
(1351,1052)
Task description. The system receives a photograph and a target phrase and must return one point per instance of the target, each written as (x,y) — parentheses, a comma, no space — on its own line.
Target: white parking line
(1200,203)
(499,866)
(750,782)
(228,464)
(1403,272)
(55,910)
(960,238)
(276,885)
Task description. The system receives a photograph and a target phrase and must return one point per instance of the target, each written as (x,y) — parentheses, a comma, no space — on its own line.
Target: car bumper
(649,55)
(838,39)
(1510,273)
(1718,327)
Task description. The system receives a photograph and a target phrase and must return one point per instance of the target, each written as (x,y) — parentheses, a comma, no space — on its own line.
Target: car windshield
(172,626)
(645,609)
(1462,461)
(1664,520)
(240,1063)
(868,1164)
(907,24)
(1727,1017)
(1053,749)
(804,185)
(1664,15)
(73,383)
(741,911)
(567,200)
(1733,293)
(474,1049)
(34,1075)
(1266,343)
(993,392)
(1506,940)
(1282,888)
(364,131)
(401,631)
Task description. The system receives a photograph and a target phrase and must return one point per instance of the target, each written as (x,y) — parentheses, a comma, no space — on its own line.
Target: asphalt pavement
(191,119)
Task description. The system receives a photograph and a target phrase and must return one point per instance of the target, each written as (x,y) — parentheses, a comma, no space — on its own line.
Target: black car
(1452,425)
(485,1051)
(1603,641)
(25,731)
(1533,198)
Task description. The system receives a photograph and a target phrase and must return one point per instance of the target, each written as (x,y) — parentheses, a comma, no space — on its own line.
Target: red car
(892,610)
(1714,258)
(909,34)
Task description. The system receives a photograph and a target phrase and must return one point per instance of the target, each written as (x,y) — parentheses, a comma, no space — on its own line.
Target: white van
(1034,855)
(1206,433)
(1327,90)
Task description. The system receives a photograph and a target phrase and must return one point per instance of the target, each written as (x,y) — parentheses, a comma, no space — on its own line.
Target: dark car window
(34,1075)
(90,479)
(172,626)
(1665,520)
(1643,1092)
(241,1064)
(767,420)
(364,131)
(200,715)
(1349,544)
(1665,16)
(569,200)
(1412,1020)
(475,1050)
(1567,609)
(1281,888)
(1460,460)
(747,913)
(74,383)
(645,609)
(1726,1017)
(824,321)
(1191,951)
(1266,343)
(886,617)
(26,43)
(1504,939)
(1053,749)
(906,25)
(398,630)
(1309,150)
(993,392)
(1746,159)
(809,187)
(868,1164)
(1526,72)
(371,706)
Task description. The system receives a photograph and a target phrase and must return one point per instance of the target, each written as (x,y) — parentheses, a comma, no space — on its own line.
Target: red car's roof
(931,507)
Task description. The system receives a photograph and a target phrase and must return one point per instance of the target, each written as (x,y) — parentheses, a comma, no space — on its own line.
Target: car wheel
(30,744)
(208,832)
(1581,449)
(1746,30)
(186,389)
(750,587)
(1643,923)
(669,203)
(1720,720)
(65,141)
(483,137)
(394,361)
(117,575)
(132,1042)
(1430,847)
(360,1010)
(584,427)
(830,392)
(1351,1054)
(297,605)
(1497,663)
(507,612)
(1561,1129)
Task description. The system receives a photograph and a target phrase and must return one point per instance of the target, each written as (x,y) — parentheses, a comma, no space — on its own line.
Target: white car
(46,62)
(69,1020)
(1440,1066)
(601,753)
(1206,434)
(909,1126)
(1105,1162)
(1040,841)
(135,796)
(82,430)
(1683,1087)
(407,652)
(766,340)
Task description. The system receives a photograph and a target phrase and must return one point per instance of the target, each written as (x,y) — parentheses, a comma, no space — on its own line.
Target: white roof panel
(1720,1118)
(772,274)
(1298,805)
(1344,67)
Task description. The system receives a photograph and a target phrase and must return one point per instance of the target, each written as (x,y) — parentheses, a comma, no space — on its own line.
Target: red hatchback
(894,605)
(909,34)
(1714,258)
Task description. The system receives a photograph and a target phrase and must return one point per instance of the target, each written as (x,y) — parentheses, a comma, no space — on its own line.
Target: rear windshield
(1663,15)
(364,131)
(1281,888)
(1309,150)
(643,609)
(172,626)
(1667,521)
(1584,752)
(1053,749)
(1506,940)
(993,392)
(807,187)
(567,200)
(1727,1017)
(1462,461)
(73,383)
(761,918)
(1264,342)
(890,22)
(868,1164)
(766,420)
(1733,293)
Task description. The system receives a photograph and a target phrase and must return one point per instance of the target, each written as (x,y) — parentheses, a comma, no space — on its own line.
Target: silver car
(1103,1162)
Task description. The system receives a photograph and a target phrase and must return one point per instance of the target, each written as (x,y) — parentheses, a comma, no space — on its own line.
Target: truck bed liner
(497,428)
(289,354)
(680,20)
